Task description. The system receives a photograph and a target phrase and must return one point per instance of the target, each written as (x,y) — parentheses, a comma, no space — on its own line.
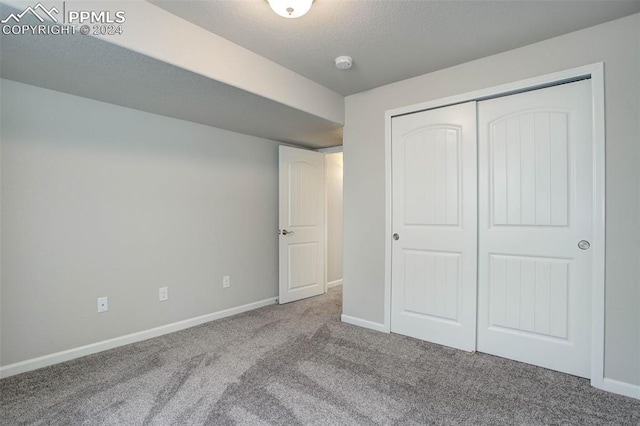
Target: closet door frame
(593,72)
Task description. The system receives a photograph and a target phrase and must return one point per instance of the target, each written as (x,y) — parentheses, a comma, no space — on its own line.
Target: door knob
(396,237)
(584,245)
(285,232)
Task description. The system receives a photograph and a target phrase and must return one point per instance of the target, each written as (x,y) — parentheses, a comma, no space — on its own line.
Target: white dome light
(290,8)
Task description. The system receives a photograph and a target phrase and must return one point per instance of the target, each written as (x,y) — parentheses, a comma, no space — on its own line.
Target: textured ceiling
(391,40)
(94,69)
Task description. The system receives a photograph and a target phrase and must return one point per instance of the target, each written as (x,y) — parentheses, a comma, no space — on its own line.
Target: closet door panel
(435,218)
(535,206)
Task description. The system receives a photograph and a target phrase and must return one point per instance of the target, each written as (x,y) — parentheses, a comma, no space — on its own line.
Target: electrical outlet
(163,294)
(226,281)
(103,304)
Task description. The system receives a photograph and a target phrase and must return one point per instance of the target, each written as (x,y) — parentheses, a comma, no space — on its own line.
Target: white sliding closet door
(535,212)
(435,221)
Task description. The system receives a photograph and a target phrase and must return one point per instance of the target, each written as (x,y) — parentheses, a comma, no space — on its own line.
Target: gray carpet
(298,364)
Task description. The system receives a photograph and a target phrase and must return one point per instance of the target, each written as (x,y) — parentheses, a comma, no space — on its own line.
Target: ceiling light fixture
(290,8)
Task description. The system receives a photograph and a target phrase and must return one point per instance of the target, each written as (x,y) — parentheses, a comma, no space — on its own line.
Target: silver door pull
(584,245)
(396,237)
(285,232)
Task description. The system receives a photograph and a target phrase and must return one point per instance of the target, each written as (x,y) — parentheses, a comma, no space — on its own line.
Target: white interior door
(302,224)
(535,207)
(434,173)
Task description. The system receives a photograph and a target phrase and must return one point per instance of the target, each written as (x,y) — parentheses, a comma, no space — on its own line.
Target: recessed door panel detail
(303,184)
(431,167)
(529,294)
(303,265)
(530,168)
(433,283)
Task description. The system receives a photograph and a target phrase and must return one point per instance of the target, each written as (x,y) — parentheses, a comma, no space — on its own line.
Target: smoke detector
(344,62)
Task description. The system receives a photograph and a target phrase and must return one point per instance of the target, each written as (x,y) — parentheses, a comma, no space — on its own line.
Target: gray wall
(101,200)
(334,216)
(617,44)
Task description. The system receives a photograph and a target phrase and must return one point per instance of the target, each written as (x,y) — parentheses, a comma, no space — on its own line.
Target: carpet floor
(297,364)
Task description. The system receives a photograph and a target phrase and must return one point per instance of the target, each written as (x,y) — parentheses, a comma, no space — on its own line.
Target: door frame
(326,151)
(594,72)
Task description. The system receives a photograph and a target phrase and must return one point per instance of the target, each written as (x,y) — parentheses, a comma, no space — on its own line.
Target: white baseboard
(67,355)
(364,323)
(621,388)
(334,283)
